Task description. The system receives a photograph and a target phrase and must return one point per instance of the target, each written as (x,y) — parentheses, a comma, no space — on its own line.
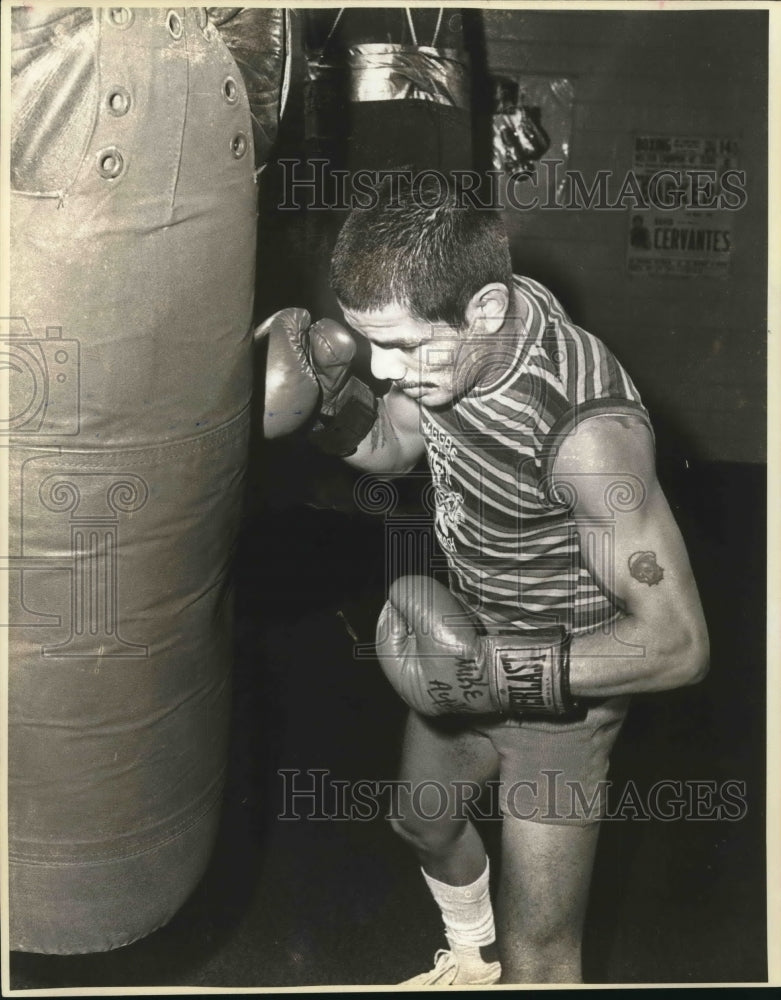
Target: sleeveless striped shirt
(510,543)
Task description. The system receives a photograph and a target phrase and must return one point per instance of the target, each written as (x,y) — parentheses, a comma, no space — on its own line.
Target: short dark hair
(421,247)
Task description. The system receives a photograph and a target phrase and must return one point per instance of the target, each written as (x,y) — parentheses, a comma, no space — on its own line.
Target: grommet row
(109,162)
(122,17)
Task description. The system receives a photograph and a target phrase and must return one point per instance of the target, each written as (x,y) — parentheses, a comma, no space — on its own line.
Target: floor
(327,902)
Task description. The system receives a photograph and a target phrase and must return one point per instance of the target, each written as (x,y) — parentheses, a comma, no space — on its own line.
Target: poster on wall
(683,224)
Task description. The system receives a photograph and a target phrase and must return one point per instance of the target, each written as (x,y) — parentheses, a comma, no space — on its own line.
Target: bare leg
(545,877)
(447,844)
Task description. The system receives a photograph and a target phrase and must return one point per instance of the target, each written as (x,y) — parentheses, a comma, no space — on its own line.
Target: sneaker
(451,970)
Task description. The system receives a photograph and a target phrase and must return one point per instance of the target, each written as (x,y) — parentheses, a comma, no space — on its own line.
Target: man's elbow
(690,660)
(698,661)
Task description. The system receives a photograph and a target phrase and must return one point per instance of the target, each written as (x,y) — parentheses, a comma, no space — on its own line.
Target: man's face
(423,359)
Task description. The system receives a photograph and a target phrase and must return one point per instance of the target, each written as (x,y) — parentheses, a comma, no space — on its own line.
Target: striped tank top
(511,545)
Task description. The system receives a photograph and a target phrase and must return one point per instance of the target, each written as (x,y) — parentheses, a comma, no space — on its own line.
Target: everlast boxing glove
(438,662)
(349,407)
(292,390)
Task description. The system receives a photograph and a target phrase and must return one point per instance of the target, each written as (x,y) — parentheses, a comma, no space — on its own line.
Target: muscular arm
(661,642)
(395,442)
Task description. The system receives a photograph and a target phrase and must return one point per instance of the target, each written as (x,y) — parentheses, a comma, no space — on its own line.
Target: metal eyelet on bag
(239,145)
(110,163)
(118,101)
(120,17)
(175,26)
(230,90)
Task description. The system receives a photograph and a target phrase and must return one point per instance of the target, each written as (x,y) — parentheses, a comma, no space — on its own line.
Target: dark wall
(694,346)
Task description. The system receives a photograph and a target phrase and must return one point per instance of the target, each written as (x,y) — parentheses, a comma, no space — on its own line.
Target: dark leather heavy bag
(403,101)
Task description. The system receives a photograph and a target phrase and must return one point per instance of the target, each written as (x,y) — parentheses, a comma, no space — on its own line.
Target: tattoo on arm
(645,569)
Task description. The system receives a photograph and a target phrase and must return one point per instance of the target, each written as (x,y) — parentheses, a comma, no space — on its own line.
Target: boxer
(569,584)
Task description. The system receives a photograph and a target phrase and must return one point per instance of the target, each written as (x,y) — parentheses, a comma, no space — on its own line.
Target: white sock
(466,912)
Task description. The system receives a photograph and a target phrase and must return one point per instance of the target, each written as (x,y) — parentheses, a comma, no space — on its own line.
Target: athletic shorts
(553,771)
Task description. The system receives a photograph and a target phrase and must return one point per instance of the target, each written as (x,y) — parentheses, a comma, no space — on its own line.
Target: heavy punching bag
(393,86)
(133,252)
(385,89)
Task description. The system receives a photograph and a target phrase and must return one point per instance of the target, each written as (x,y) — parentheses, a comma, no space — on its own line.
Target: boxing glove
(292,389)
(440,663)
(349,407)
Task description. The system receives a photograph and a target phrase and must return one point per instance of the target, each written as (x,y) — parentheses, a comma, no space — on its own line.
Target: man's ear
(486,311)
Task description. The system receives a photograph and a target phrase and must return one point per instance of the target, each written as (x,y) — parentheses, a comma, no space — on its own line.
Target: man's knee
(429,836)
